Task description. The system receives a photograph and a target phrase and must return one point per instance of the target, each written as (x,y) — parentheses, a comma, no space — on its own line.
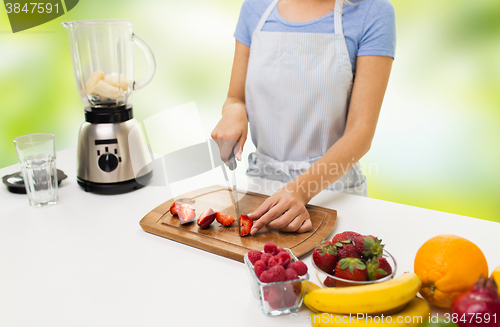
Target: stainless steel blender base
(116,188)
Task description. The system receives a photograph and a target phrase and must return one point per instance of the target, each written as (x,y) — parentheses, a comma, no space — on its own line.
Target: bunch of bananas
(391,302)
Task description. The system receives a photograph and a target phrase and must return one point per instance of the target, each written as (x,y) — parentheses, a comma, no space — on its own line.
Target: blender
(112,152)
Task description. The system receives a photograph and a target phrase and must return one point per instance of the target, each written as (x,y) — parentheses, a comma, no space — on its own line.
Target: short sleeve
(242,33)
(379,30)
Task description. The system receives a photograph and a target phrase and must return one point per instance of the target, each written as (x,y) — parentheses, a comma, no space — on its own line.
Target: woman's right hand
(231,131)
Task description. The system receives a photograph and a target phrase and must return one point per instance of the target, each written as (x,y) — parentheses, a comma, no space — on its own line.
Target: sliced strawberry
(206,218)
(186,213)
(224,219)
(174,208)
(245,225)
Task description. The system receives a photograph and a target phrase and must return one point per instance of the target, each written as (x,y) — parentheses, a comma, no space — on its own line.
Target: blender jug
(103,61)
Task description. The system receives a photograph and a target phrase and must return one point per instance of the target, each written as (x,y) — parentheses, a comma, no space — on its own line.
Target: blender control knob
(108,162)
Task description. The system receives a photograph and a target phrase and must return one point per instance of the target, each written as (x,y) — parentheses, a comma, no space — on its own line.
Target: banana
(113,79)
(104,90)
(373,298)
(93,79)
(415,313)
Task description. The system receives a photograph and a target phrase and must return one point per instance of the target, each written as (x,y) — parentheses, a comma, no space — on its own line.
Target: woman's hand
(285,210)
(231,131)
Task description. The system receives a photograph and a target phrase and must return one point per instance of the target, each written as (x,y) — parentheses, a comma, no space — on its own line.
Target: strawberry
(344,236)
(270,248)
(206,218)
(254,255)
(351,269)
(299,267)
(325,256)
(259,267)
(223,219)
(378,268)
(186,214)
(330,282)
(245,225)
(174,208)
(346,250)
(368,246)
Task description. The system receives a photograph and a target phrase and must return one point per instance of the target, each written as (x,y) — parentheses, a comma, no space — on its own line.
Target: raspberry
(254,255)
(270,248)
(289,297)
(291,274)
(273,262)
(265,257)
(266,276)
(285,258)
(280,250)
(300,268)
(259,267)
(273,296)
(278,272)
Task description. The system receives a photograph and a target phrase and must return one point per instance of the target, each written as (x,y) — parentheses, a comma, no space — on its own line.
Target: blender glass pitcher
(103,60)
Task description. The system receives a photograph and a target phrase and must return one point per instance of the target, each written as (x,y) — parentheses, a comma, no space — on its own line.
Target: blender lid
(15,182)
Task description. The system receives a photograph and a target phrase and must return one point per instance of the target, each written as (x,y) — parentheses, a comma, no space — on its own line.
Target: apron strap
(337,17)
(265,15)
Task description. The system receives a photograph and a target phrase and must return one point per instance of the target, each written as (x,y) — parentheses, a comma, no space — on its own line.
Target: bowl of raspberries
(277,279)
(352,259)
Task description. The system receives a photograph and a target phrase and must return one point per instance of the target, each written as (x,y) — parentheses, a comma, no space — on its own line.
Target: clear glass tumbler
(37,157)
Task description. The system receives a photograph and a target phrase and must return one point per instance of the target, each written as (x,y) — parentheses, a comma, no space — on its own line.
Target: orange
(496,276)
(448,265)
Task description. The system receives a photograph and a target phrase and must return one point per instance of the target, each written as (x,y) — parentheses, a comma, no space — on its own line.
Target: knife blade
(234,190)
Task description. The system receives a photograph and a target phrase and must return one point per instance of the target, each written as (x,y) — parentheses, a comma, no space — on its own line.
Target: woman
(309,76)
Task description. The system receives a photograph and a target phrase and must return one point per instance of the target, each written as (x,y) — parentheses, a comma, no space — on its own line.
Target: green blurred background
(437,143)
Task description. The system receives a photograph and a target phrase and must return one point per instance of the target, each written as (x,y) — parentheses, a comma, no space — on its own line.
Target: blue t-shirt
(369,26)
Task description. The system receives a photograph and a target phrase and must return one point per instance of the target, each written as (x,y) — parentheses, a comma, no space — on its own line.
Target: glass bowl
(281,297)
(341,282)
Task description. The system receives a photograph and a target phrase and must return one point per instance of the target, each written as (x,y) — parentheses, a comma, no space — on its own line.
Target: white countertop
(86,261)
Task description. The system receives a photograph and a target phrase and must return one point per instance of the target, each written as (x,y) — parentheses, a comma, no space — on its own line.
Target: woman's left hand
(285,210)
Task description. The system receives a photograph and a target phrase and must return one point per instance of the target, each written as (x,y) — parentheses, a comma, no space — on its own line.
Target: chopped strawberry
(186,213)
(270,248)
(174,208)
(206,218)
(378,268)
(344,236)
(325,256)
(299,267)
(346,250)
(291,274)
(245,225)
(368,246)
(351,269)
(223,219)
(259,267)
(254,255)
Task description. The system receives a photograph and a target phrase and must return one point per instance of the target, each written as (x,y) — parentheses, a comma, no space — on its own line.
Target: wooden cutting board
(226,241)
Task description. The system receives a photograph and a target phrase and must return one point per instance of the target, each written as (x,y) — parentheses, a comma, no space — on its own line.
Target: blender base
(115,188)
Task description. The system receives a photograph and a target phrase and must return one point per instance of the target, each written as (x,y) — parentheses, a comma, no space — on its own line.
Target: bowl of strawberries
(352,259)
(277,279)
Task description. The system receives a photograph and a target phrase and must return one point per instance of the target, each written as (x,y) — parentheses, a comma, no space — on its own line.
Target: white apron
(297,91)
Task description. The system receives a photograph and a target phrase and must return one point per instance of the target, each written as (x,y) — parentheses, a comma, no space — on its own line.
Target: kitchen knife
(232,166)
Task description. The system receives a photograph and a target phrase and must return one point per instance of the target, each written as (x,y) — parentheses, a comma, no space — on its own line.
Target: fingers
(264,214)
(292,220)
